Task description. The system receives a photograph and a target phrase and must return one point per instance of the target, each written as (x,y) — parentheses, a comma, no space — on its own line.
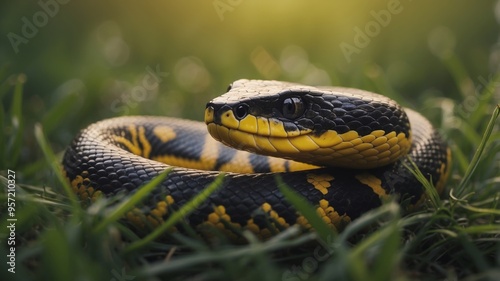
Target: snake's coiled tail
(367,136)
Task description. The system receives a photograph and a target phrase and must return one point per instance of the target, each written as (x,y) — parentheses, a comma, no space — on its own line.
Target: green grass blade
(390,253)
(17,121)
(475,160)
(219,255)
(56,167)
(473,252)
(307,210)
(462,162)
(132,201)
(429,188)
(485,99)
(177,216)
(17,101)
(386,241)
(482,229)
(57,250)
(371,240)
(482,210)
(367,219)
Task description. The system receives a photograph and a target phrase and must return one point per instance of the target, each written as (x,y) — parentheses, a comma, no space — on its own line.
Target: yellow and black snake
(356,138)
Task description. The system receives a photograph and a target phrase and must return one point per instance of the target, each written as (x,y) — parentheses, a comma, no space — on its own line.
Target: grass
(455,236)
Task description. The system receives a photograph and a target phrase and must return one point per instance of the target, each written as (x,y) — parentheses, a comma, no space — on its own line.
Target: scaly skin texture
(121,154)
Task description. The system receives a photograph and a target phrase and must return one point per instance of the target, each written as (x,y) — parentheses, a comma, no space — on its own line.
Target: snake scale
(344,150)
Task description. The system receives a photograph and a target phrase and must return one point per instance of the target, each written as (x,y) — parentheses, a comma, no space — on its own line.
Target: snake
(345,151)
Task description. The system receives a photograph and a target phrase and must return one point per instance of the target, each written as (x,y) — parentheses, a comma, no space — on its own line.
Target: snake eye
(293,107)
(241,111)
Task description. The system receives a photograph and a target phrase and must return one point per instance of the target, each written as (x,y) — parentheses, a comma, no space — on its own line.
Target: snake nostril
(241,111)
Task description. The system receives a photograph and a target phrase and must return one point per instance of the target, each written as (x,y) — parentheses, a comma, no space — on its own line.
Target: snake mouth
(243,121)
(330,148)
(266,145)
(267,136)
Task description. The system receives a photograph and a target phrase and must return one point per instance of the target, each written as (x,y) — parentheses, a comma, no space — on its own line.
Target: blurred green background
(95,59)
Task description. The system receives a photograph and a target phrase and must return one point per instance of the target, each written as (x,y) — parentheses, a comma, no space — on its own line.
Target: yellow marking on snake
(296,133)
(132,144)
(320,182)
(304,143)
(444,172)
(221,220)
(243,139)
(263,143)
(209,115)
(210,148)
(156,215)
(277,129)
(81,186)
(136,217)
(374,183)
(263,128)
(249,124)
(283,145)
(217,217)
(303,222)
(253,227)
(330,216)
(146,146)
(298,166)
(266,207)
(164,133)
(240,162)
(279,165)
(276,221)
(349,136)
(229,120)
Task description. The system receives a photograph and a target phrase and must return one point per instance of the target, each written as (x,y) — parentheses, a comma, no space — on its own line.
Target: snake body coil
(356,138)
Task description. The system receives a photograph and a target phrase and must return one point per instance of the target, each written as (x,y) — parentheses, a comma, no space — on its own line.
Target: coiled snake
(356,140)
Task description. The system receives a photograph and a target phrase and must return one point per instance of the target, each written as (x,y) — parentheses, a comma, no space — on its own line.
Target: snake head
(296,121)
